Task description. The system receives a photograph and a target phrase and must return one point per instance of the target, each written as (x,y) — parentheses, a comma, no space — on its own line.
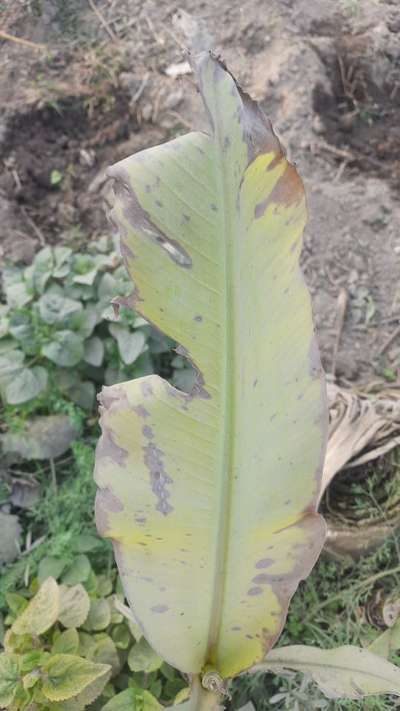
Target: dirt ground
(325,71)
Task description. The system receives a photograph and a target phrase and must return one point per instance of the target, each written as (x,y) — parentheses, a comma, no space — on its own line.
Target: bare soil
(325,71)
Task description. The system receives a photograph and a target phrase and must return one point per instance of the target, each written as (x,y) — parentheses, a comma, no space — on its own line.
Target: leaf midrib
(228,405)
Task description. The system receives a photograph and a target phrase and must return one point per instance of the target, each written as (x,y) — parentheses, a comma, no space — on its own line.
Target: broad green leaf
(67,642)
(55,308)
(66,675)
(74,605)
(210,497)
(7,345)
(42,611)
(94,351)
(130,343)
(21,328)
(66,349)
(85,697)
(10,533)
(43,437)
(349,672)
(9,678)
(143,658)
(26,384)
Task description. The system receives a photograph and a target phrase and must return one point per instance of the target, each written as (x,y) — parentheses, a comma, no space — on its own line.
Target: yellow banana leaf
(210,497)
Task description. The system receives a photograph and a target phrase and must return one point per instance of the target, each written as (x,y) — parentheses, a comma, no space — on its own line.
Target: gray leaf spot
(160,608)
(147,432)
(159,479)
(264,563)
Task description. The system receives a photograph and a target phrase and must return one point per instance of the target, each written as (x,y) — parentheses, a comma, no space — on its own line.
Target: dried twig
(103,21)
(350,156)
(389,341)
(38,232)
(139,92)
(341,313)
(20,40)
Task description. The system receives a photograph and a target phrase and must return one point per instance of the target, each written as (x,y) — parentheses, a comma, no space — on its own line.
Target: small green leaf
(68,675)
(104,585)
(27,384)
(50,566)
(346,672)
(87,321)
(16,603)
(42,611)
(66,349)
(17,295)
(99,616)
(121,636)
(31,660)
(130,343)
(94,351)
(22,330)
(87,279)
(42,269)
(67,642)
(86,542)
(387,642)
(10,364)
(78,571)
(9,678)
(143,658)
(83,394)
(29,680)
(62,255)
(86,644)
(107,287)
(150,703)
(55,177)
(124,701)
(105,652)
(74,605)
(182,695)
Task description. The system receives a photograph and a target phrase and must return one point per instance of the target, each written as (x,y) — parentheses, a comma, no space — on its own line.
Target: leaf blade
(347,671)
(223,244)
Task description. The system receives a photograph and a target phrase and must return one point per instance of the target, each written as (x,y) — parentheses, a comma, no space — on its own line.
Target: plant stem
(203,700)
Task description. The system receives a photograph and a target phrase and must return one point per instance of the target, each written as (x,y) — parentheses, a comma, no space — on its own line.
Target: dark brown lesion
(136,216)
(287,192)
